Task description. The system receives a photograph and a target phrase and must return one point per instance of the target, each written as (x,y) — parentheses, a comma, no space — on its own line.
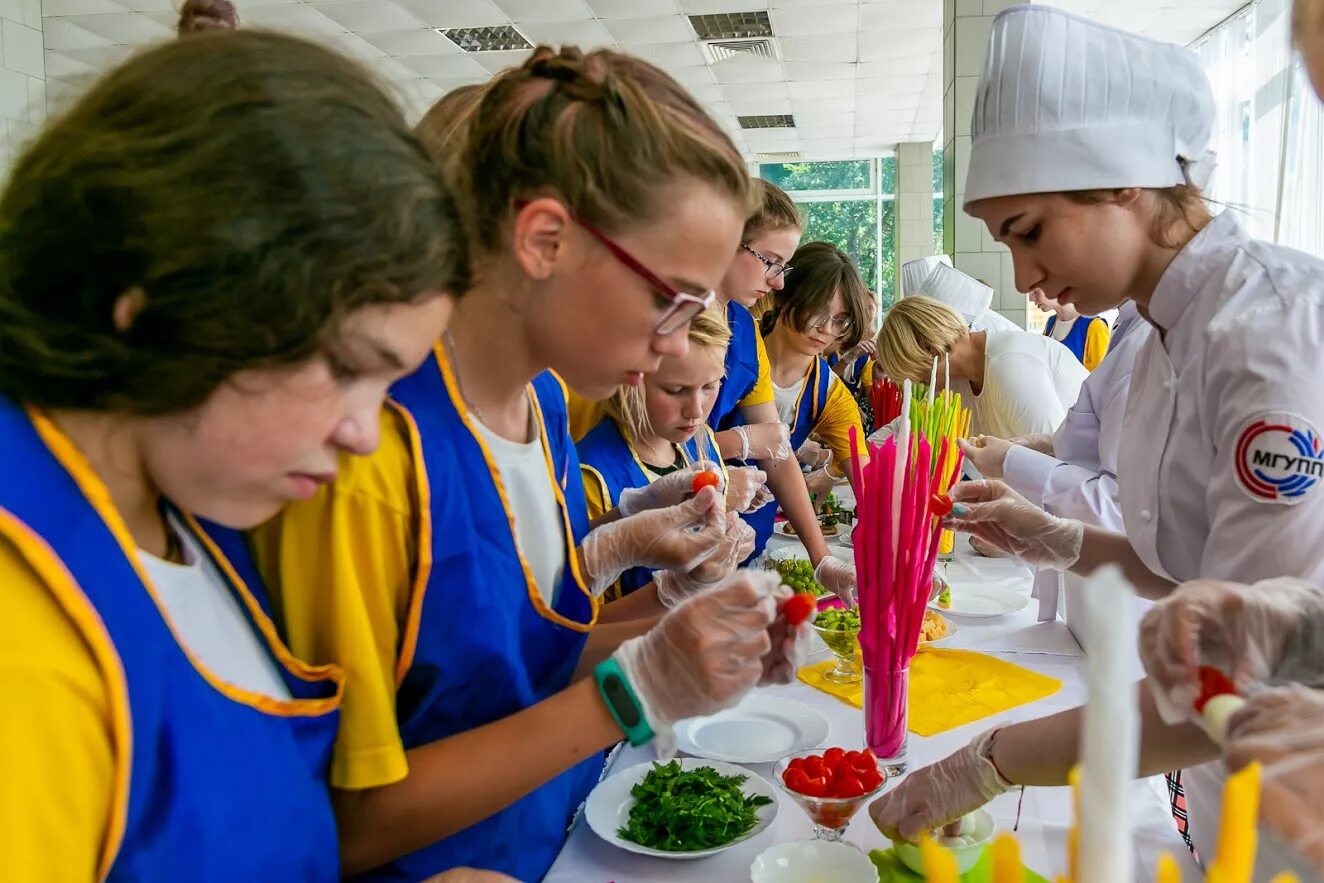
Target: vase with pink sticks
(886,698)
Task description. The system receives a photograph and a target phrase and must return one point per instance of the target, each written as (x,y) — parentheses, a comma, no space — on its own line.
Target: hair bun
(207,15)
(574,73)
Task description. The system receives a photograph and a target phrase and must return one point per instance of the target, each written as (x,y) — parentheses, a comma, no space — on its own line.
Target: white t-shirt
(209,621)
(1030,381)
(539,533)
(786,397)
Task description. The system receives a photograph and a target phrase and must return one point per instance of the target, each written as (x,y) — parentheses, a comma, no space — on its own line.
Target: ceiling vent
(499,38)
(718,51)
(783,157)
(768,121)
(732,26)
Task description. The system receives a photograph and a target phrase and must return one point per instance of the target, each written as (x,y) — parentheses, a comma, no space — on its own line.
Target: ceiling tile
(660,29)
(100,57)
(545,10)
(147,5)
(886,103)
(894,68)
(417,41)
(819,70)
(803,21)
(299,19)
(700,6)
(124,28)
(354,46)
(822,105)
(496,62)
(890,85)
(892,15)
(456,13)
(824,47)
(667,55)
(584,34)
(59,8)
(261,3)
(443,67)
(393,70)
(59,33)
(875,45)
(822,89)
(612,9)
(742,70)
(754,91)
(693,76)
(707,93)
(761,106)
(809,122)
(368,16)
(782,4)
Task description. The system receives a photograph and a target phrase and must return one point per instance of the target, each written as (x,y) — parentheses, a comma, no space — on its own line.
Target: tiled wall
(22,77)
(914,201)
(966,25)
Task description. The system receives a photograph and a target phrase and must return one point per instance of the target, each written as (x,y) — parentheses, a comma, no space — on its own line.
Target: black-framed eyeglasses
(684,307)
(772,269)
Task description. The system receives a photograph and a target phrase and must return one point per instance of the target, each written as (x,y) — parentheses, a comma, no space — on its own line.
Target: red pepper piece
(798,607)
(1212,683)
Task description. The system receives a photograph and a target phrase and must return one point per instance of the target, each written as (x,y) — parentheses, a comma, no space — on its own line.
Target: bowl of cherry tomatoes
(830,786)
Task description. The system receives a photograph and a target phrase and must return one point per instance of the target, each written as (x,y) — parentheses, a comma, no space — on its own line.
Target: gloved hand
(704,655)
(866,347)
(764,441)
(669,490)
(820,483)
(994,513)
(884,432)
(790,646)
(1283,728)
(736,545)
(939,794)
(470,875)
(1270,631)
(838,577)
(742,487)
(813,455)
(987,453)
(657,538)
(1040,441)
(762,497)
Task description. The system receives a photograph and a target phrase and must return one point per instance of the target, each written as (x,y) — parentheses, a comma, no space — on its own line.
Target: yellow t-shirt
(762,391)
(840,413)
(1097,337)
(340,570)
(57,758)
(584,414)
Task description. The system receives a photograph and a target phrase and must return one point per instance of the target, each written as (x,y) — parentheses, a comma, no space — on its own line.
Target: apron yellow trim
(98,496)
(423,566)
(810,385)
(52,572)
(572,554)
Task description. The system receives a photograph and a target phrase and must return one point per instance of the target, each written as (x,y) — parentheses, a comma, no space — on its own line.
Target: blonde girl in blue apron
(825,301)
(1219,479)
(657,429)
(459,577)
(189,341)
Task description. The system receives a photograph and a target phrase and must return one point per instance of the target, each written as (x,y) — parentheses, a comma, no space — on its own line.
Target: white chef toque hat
(913,273)
(965,294)
(1065,103)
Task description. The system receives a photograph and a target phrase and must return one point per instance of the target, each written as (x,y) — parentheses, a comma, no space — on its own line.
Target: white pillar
(914,203)
(965,29)
(22,78)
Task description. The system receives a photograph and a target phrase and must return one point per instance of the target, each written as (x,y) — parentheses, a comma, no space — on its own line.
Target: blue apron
(742,368)
(212,783)
(480,644)
(607,456)
(808,408)
(1076,337)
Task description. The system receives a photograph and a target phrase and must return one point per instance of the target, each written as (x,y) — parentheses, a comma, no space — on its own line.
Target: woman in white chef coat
(1014,382)
(1222,473)
(973,302)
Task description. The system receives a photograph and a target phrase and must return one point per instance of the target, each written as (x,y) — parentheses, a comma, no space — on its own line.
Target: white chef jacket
(1221,472)
(1080,479)
(1029,383)
(992,320)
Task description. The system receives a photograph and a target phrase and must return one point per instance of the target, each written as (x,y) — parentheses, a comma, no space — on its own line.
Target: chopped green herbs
(688,810)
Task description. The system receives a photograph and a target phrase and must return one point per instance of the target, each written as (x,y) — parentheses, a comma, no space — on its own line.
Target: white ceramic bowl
(966,856)
(815,860)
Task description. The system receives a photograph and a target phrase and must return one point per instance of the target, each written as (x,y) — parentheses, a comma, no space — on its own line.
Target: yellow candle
(1168,870)
(939,864)
(947,543)
(1286,877)
(1007,860)
(1073,836)
(1237,832)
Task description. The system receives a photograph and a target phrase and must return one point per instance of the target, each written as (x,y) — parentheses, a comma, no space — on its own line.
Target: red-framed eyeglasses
(684,307)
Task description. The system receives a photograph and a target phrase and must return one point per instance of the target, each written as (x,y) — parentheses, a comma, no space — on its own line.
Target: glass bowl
(830,815)
(845,647)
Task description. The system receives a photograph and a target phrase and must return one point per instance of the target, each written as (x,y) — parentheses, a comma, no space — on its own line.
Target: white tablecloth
(1045,814)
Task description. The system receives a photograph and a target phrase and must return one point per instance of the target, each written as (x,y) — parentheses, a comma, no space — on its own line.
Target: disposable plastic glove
(813,455)
(866,347)
(994,513)
(937,795)
(1270,631)
(658,538)
(742,487)
(1283,728)
(762,497)
(764,441)
(1040,441)
(838,577)
(987,453)
(790,645)
(704,655)
(669,490)
(884,432)
(820,483)
(736,545)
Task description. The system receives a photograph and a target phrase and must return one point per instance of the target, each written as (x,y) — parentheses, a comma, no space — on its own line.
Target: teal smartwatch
(624,706)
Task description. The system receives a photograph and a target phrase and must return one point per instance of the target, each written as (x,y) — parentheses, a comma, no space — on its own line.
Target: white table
(1045,815)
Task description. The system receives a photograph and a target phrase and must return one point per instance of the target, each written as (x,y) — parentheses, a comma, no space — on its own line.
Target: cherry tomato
(796,780)
(1213,683)
(871,780)
(832,757)
(848,786)
(815,767)
(798,607)
(868,755)
(941,505)
(852,758)
(796,764)
(706,479)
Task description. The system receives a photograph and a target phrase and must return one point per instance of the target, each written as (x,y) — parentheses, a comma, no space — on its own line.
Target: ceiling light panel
(767,121)
(497,38)
(731,25)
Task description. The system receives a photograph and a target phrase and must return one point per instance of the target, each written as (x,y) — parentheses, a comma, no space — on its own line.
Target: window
(850,203)
(939,244)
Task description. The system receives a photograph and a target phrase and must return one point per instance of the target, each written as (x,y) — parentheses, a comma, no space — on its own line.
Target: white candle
(1109,741)
(933,380)
(947,377)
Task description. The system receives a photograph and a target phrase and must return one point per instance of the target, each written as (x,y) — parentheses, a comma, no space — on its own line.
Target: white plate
(761,729)
(947,636)
(816,860)
(983,601)
(608,806)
